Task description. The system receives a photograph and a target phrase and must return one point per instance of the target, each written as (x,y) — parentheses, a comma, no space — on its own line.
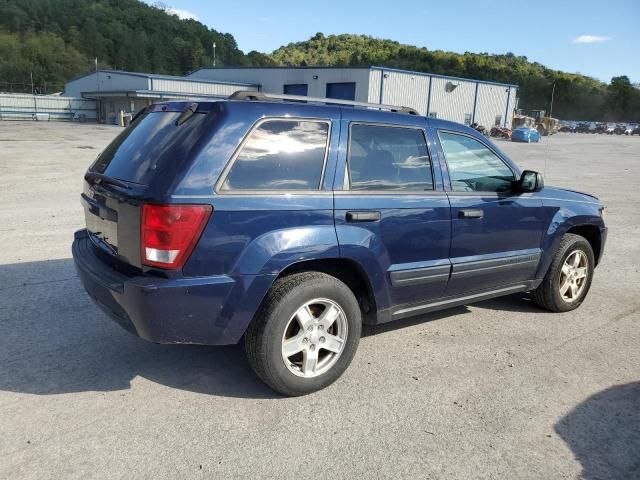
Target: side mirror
(530,181)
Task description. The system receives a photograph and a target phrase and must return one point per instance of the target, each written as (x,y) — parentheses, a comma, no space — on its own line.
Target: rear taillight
(168,233)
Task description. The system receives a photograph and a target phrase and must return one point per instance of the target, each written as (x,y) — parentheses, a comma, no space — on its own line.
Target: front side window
(281,155)
(388,158)
(473,167)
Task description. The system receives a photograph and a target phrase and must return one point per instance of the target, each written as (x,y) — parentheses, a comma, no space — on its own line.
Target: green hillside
(55,40)
(59,39)
(576,96)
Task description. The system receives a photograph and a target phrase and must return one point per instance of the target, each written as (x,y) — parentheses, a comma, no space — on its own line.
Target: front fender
(565,218)
(272,252)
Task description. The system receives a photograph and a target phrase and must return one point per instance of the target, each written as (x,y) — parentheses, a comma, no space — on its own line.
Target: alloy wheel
(314,338)
(573,277)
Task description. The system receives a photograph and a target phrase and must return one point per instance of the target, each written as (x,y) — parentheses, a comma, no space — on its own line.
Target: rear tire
(291,345)
(569,277)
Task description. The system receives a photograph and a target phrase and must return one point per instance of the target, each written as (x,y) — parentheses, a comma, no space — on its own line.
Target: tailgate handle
(101,211)
(368,216)
(471,213)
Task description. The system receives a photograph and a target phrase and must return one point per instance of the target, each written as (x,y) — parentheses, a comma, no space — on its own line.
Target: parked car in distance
(525,135)
(287,225)
(583,127)
(620,129)
(500,132)
(632,129)
(610,129)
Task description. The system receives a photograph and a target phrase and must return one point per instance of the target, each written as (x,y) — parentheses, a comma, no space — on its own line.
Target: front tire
(305,334)
(569,277)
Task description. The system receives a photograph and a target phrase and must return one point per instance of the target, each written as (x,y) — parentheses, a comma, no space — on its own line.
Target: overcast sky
(594,37)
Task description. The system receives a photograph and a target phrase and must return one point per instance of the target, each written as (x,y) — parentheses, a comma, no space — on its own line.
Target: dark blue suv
(289,224)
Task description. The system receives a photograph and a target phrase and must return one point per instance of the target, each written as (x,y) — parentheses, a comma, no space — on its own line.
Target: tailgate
(112,219)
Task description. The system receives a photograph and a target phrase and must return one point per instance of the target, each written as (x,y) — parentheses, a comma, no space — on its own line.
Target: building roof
(162,77)
(149,94)
(370,67)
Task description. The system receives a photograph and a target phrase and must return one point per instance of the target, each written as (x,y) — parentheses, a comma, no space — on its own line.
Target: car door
(496,232)
(391,212)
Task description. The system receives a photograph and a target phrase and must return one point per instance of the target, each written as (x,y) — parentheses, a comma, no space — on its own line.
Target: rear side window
(281,155)
(388,158)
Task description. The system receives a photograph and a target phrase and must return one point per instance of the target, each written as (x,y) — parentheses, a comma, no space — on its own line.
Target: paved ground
(497,390)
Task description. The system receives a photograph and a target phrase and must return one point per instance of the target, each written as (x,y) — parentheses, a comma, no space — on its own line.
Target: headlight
(602,213)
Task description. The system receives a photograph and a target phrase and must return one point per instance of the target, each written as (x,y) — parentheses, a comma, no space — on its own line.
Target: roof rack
(253,95)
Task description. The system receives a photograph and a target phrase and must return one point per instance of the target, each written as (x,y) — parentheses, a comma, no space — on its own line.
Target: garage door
(296,89)
(342,91)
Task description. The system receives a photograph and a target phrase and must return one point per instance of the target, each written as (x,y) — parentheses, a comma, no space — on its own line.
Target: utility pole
(553,91)
(214,54)
(97,75)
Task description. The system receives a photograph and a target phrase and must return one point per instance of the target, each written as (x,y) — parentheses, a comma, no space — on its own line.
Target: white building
(116,90)
(451,98)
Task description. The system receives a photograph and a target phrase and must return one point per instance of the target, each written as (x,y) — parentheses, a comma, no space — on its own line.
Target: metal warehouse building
(116,90)
(451,98)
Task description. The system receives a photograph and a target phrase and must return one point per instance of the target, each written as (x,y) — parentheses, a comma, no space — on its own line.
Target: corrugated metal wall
(411,89)
(16,106)
(405,90)
(491,105)
(272,80)
(105,82)
(513,104)
(375,77)
(454,104)
(196,88)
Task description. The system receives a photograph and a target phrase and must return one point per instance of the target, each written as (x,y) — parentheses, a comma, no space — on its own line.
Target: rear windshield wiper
(187,114)
(102,178)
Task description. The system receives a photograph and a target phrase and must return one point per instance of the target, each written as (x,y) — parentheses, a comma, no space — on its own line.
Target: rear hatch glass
(158,140)
(143,149)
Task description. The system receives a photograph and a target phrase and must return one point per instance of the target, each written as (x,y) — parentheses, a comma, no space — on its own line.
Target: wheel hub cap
(314,338)
(573,277)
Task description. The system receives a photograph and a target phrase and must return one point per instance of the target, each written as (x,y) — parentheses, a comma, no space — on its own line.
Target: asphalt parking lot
(500,389)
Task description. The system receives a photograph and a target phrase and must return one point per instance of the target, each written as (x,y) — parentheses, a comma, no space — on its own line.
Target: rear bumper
(201,310)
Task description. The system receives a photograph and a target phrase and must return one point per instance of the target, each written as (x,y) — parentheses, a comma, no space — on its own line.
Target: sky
(598,38)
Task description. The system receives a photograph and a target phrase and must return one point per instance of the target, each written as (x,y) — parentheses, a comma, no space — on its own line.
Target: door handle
(470,213)
(367,216)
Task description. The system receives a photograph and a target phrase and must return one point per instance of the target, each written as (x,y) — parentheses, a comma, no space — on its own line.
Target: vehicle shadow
(370,330)
(604,433)
(53,340)
(518,302)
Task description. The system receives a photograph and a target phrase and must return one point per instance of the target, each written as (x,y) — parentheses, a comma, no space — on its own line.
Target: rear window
(142,149)
(280,155)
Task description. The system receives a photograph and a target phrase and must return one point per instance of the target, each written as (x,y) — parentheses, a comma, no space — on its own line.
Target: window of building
(388,158)
(467,119)
(473,167)
(498,120)
(296,89)
(281,155)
